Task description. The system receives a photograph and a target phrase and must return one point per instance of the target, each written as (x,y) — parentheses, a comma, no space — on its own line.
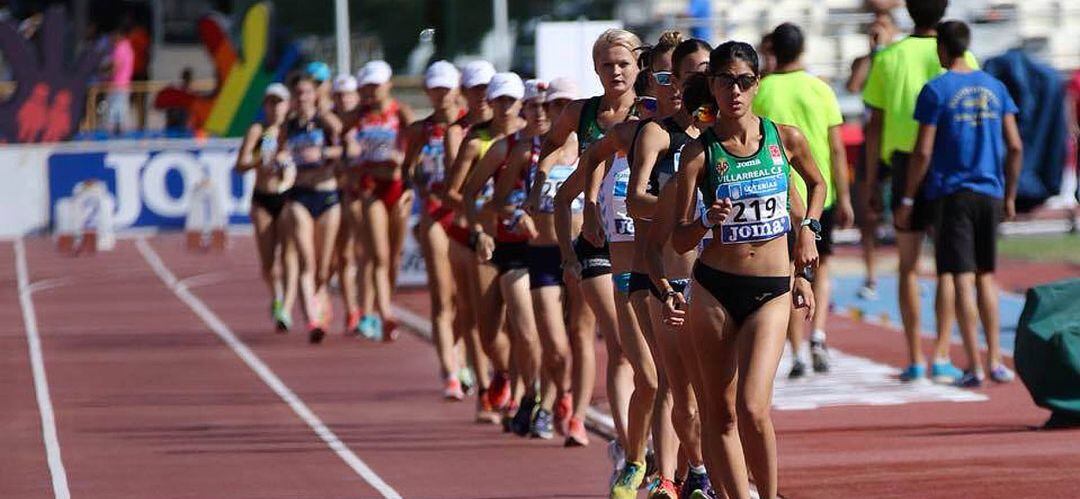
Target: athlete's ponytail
(698,99)
(731,51)
(667,42)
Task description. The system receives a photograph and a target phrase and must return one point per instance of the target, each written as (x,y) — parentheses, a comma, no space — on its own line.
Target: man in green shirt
(791,96)
(897,75)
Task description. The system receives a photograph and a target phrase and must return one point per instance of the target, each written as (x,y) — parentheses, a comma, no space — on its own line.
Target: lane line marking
(263,371)
(41,382)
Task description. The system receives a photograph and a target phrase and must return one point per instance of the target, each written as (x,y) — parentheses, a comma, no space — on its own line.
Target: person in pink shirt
(119,71)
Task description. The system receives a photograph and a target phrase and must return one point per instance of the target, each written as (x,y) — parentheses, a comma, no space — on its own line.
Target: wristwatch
(813,223)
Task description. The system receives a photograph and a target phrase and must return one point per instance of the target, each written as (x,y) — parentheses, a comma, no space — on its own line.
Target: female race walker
(347,109)
(481,288)
(475,77)
(258,152)
(424,165)
(654,160)
(588,265)
(386,211)
(549,292)
(504,242)
(312,215)
(741,166)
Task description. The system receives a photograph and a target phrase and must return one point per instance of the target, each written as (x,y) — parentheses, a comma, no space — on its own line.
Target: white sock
(942,360)
(818,336)
(698,470)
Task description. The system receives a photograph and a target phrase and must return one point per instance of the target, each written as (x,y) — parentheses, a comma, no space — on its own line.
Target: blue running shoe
(695,482)
(971,379)
(914,372)
(370,327)
(945,373)
(543,425)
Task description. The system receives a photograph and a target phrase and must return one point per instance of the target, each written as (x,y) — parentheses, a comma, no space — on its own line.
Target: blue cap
(318,70)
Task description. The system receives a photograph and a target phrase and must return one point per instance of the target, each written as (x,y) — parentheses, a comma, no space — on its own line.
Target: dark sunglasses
(662,78)
(745,81)
(648,104)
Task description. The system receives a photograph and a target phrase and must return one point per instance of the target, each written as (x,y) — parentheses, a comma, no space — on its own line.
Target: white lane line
(41,383)
(263,371)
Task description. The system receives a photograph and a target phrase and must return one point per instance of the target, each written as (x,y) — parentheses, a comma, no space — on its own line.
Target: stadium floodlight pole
(341,22)
(501,27)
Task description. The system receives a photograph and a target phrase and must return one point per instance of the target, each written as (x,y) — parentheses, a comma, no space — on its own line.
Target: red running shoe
(498,393)
(352,323)
(576,436)
(564,408)
(452,390)
(485,414)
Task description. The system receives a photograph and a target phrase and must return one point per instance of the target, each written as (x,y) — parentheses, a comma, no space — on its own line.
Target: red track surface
(150,403)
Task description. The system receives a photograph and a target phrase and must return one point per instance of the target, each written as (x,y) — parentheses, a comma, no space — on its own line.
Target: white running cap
(561,88)
(505,85)
(277,90)
(477,73)
(374,73)
(442,74)
(345,83)
(535,90)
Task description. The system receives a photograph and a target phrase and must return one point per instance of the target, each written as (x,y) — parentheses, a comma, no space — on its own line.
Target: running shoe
(468,381)
(629,480)
(945,373)
(369,327)
(914,372)
(698,494)
(576,436)
(521,423)
(316,333)
(695,482)
(542,425)
(564,408)
(485,414)
(283,320)
(819,356)
(507,417)
(452,390)
(798,370)
(868,291)
(971,379)
(499,391)
(1001,374)
(390,331)
(662,488)
(352,323)
(617,456)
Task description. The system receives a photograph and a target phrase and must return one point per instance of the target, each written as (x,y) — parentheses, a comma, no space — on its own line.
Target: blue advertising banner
(152,185)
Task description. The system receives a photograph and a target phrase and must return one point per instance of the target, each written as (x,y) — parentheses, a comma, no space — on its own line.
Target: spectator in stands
(897,75)
(139,37)
(118,70)
(791,96)
(881,33)
(177,119)
(970,153)
(768,59)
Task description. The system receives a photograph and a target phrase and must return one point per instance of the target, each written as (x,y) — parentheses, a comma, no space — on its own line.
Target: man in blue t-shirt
(967,159)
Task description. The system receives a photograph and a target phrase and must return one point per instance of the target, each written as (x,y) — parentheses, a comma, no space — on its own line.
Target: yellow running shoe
(626,486)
